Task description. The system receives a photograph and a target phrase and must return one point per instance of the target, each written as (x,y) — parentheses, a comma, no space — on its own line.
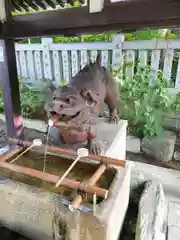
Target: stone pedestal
(114,138)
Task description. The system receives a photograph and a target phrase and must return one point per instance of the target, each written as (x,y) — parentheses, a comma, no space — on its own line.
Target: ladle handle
(67,171)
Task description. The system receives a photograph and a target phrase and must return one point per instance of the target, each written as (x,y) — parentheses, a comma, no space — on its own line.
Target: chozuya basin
(36,210)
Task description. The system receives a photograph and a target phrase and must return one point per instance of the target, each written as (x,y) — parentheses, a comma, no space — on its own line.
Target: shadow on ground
(6,234)
(129,226)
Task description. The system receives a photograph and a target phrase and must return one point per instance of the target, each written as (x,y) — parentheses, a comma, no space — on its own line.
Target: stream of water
(46,147)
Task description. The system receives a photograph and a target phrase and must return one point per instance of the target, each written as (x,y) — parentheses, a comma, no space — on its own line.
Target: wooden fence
(62,61)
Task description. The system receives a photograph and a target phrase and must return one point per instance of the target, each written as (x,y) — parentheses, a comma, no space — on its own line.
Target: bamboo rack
(88,187)
(98,158)
(53,179)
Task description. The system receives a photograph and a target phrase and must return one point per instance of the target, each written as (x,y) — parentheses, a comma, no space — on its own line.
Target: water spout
(50,125)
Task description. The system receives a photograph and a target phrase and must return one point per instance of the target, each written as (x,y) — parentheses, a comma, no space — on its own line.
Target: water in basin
(57,165)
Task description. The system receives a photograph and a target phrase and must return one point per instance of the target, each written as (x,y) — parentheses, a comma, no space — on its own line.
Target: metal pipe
(53,179)
(92,181)
(101,159)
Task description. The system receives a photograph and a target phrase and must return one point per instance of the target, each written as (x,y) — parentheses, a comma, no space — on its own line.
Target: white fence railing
(61,61)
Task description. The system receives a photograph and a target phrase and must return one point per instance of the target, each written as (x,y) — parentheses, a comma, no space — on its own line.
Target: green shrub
(108,37)
(30,99)
(143,106)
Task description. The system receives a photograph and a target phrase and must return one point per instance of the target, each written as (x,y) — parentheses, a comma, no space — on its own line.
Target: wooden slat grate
(26,5)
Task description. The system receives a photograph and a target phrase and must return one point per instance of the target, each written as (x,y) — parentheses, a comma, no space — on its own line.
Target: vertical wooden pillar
(9,78)
(10,84)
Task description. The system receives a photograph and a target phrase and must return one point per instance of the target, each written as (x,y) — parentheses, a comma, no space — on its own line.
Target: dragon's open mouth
(63,117)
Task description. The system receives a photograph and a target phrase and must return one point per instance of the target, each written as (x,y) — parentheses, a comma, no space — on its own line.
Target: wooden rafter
(121,16)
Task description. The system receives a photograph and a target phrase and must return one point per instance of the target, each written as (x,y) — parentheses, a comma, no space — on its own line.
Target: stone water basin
(34,209)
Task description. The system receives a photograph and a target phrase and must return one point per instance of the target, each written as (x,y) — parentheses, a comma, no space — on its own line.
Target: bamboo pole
(53,179)
(92,181)
(101,159)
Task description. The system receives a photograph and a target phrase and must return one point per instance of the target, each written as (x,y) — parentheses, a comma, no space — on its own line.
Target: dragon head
(70,106)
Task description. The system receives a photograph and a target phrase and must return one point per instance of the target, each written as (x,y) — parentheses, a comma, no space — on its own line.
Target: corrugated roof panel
(26,5)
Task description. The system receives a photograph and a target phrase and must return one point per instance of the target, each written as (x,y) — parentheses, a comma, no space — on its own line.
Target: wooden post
(46,57)
(8,76)
(117,58)
(96,5)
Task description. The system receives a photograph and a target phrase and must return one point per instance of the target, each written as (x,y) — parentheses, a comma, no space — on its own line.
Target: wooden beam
(10,84)
(128,15)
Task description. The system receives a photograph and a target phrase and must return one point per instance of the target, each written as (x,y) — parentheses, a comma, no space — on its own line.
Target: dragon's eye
(71,100)
(68,100)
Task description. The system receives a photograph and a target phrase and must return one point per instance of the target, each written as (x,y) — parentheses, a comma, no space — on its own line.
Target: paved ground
(140,157)
(173,223)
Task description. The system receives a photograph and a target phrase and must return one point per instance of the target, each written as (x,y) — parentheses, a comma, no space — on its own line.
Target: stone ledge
(133,144)
(152,213)
(160,147)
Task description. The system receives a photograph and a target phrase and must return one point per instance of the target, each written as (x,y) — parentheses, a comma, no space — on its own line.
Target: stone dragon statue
(74,107)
